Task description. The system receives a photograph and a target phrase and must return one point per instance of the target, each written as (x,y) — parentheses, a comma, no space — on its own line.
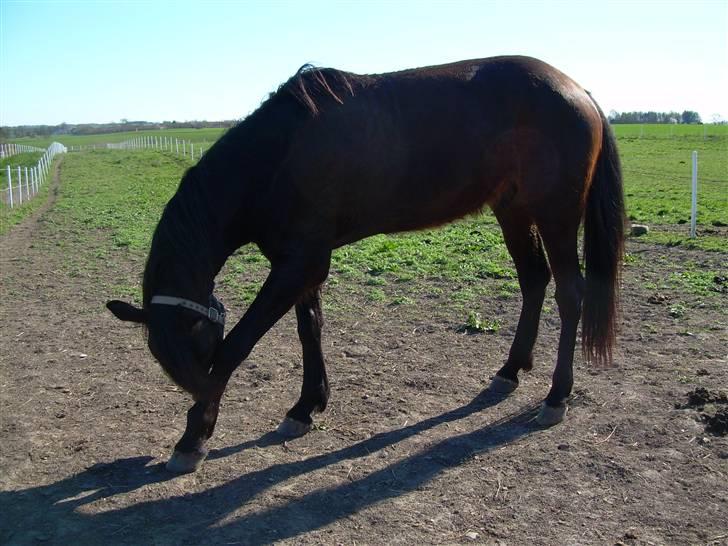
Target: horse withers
(333,157)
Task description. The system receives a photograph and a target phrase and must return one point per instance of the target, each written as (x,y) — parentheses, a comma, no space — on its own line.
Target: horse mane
(185,224)
(312,86)
(185,220)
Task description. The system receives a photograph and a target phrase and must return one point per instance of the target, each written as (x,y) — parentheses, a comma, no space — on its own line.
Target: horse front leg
(190,451)
(286,285)
(315,389)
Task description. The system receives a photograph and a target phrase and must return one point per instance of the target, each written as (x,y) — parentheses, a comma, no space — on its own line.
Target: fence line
(34,177)
(10,149)
(162,143)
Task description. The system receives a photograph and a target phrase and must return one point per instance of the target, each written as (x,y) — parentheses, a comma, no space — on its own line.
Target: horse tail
(604,232)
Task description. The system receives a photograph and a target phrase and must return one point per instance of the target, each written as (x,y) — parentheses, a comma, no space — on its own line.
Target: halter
(210,312)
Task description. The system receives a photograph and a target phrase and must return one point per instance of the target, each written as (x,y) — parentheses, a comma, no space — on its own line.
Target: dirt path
(410,449)
(20,237)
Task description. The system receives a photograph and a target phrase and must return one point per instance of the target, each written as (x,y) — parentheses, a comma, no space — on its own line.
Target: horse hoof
(290,428)
(501,385)
(549,415)
(185,463)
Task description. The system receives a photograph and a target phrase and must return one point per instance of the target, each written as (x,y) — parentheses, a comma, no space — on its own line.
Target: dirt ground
(411,450)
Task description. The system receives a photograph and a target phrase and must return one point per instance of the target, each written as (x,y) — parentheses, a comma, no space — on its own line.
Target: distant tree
(690,117)
(654,117)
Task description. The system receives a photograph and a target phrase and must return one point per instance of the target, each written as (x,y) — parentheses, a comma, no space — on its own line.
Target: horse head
(182,335)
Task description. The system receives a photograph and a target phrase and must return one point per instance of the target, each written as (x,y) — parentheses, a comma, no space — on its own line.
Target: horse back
(419,148)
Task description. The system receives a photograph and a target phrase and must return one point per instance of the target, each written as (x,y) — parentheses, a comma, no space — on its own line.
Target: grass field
(10,217)
(663,130)
(193,135)
(657,177)
(122,193)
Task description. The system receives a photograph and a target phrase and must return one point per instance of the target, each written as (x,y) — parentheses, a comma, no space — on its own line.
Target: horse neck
(187,250)
(214,210)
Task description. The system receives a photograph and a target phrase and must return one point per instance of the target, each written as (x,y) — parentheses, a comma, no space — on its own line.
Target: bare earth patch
(410,450)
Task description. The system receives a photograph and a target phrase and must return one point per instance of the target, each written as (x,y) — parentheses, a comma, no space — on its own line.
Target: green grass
(657,184)
(663,130)
(11,217)
(118,192)
(119,195)
(26,159)
(202,136)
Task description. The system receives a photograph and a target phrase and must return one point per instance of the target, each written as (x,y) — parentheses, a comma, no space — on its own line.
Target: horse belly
(425,191)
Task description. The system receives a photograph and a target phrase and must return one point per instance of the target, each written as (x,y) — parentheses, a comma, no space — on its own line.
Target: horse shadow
(205,516)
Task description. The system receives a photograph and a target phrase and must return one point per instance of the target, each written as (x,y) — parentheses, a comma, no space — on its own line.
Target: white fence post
(20,187)
(694,201)
(10,187)
(27,187)
(192,151)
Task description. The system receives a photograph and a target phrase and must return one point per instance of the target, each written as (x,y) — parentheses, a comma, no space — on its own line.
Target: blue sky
(101,61)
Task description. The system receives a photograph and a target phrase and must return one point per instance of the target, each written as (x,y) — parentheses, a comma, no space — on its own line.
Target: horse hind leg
(526,249)
(315,389)
(561,246)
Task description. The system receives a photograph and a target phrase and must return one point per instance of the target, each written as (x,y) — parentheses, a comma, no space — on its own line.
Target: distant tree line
(21,131)
(687,117)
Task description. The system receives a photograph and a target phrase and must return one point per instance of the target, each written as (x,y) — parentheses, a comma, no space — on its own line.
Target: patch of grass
(401,300)
(657,182)
(663,131)
(710,242)
(201,136)
(699,282)
(376,294)
(11,217)
(120,195)
(677,310)
(468,250)
(117,192)
(476,324)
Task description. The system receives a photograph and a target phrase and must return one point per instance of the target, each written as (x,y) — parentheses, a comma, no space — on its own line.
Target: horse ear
(126,312)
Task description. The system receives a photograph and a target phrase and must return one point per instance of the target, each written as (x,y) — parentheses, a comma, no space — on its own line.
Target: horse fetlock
(551,415)
(185,463)
(292,428)
(502,385)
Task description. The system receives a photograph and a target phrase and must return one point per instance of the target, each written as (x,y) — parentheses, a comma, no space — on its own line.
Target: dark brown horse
(334,157)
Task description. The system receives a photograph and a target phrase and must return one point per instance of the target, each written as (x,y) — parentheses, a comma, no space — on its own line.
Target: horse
(333,157)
